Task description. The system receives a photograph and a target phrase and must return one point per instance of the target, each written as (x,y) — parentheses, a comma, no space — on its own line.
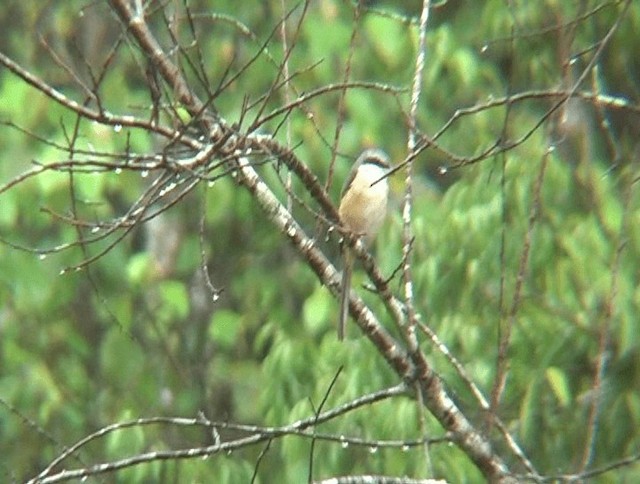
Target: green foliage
(224,328)
(132,335)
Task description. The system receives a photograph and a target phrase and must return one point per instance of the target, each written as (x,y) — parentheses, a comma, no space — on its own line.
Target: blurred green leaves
(128,337)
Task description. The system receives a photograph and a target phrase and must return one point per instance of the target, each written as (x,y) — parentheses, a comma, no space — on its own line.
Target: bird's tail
(344,293)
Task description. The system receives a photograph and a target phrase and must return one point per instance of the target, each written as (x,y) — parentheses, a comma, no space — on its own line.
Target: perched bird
(363,206)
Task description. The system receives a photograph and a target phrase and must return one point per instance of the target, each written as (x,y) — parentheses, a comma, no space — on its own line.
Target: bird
(363,206)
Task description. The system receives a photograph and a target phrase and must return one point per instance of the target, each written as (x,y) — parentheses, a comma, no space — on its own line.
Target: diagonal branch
(421,376)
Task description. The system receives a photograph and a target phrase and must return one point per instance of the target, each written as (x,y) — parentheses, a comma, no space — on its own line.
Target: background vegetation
(132,289)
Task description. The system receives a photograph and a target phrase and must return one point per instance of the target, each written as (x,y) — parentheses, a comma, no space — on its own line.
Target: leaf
(224,327)
(138,268)
(389,39)
(176,299)
(317,310)
(559,384)
(530,413)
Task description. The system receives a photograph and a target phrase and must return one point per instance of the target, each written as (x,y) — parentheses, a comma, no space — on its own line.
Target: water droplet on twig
(343,442)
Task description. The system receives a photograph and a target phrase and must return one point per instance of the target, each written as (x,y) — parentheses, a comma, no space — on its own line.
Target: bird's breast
(364,204)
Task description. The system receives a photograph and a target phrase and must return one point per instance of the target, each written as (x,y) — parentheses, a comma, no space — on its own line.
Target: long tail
(344,293)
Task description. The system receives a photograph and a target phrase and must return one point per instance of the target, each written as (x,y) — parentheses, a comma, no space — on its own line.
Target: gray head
(375,156)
